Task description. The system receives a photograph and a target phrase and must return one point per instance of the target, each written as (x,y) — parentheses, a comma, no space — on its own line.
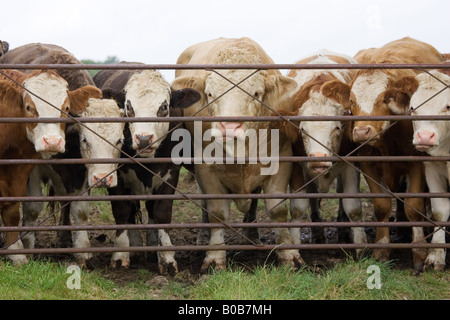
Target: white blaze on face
(321,138)
(432,136)
(147,95)
(107,143)
(47,138)
(234,103)
(367,88)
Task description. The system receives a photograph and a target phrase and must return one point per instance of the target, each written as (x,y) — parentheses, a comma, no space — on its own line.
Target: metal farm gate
(233,227)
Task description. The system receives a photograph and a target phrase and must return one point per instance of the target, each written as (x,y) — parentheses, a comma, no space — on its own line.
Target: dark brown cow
(369,94)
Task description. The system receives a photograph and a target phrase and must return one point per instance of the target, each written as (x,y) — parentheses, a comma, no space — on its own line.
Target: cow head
(47,96)
(428,134)
(368,95)
(147,94)
(225,100)
(101,140)
(320,138)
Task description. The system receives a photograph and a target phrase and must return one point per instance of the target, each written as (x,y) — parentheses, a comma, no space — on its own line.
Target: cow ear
(117,96)
(197,83)
(398,98)
(10,94)
(287,129)
(337,91)
(184,98)
(79,99)
(397,101)
(280,86)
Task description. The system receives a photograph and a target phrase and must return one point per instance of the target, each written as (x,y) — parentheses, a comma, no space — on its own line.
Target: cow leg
(440,208)
(123,212)
(279,213)
(352,207)
(65,236)
(11,218)
(252,234)
(298,207)
(161,213)
(80,214)
(381,209)
(415,211)
(219,211)
(32,210)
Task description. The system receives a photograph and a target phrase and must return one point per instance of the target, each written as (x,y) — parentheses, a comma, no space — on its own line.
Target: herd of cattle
(227,93)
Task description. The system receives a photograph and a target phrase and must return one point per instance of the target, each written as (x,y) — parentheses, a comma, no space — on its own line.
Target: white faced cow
(72,179)
(323,138)
(369,94)
(145,94)
(32,140)
(429,94)
(221,98)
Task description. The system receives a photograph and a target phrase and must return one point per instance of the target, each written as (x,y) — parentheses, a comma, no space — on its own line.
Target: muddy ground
(189,262)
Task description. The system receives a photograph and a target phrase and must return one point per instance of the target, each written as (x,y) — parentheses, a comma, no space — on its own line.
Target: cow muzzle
(321,166)
(52,144)
(364,133)
(425,140)
(231,130)
(144,143)
(103,180)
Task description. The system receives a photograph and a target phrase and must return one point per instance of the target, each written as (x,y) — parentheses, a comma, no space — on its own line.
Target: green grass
(45,280)
(345,281)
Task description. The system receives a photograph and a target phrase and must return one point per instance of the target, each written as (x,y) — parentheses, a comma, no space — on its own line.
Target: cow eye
(163,110)
(28,108)
(129,111)
(448,108)
(256,95)
(84,140)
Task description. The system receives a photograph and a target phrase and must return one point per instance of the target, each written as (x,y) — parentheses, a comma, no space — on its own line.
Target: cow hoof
(212,265)
(381,254)
(168,269)
(119,264)
(18,259)
(435,260)
(291,258)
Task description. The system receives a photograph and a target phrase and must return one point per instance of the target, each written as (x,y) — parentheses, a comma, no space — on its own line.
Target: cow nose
(53,143)
(103,180)
(363,133)
(320,166)
(144,140)
(231,127)
(426,137)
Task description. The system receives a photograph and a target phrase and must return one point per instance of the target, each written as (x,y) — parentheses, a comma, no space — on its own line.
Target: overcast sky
(157,32)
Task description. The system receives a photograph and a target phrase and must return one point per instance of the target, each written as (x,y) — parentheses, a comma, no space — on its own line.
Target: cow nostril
(144,141)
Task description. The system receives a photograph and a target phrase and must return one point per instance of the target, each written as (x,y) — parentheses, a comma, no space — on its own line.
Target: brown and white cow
(369,94)
(323,139)
(45,95)
(81,142)
(221,98)
(429,94)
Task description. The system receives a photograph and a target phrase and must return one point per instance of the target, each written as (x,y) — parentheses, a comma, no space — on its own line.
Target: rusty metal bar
(225,119)
(201,225)
(196,196)
(262,247)
(232,160)
(220,66)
